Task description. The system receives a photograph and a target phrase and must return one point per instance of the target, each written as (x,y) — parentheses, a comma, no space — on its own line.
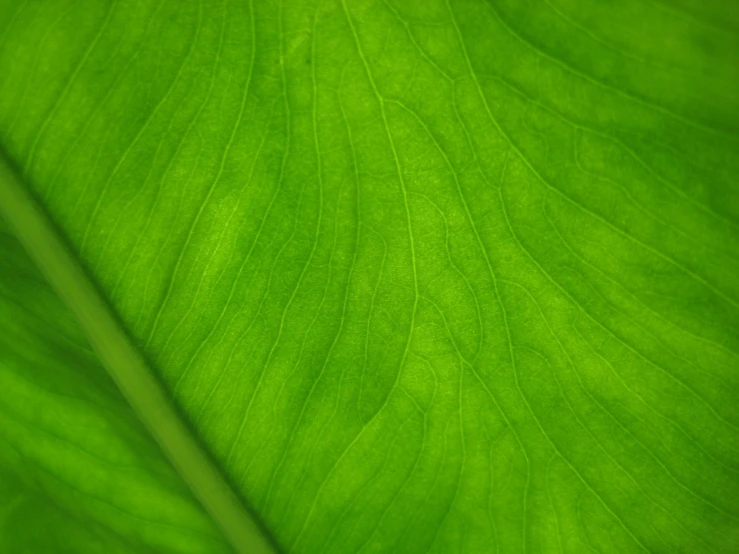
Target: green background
(419,276)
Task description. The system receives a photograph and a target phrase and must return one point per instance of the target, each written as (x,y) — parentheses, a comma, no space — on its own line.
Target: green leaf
(392,276)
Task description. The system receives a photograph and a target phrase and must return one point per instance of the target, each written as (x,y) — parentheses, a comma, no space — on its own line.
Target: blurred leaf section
(78,471)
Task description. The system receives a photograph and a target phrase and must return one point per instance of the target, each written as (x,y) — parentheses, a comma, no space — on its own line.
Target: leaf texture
(433,276)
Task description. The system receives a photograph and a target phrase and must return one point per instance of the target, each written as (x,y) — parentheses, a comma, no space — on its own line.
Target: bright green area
(421,276)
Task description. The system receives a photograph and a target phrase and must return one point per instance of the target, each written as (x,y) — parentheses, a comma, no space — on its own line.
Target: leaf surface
(418,276)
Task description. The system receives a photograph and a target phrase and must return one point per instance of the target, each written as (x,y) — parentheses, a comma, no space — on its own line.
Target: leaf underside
(420,276)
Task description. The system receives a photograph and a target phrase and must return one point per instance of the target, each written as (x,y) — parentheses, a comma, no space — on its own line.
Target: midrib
(125,363)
